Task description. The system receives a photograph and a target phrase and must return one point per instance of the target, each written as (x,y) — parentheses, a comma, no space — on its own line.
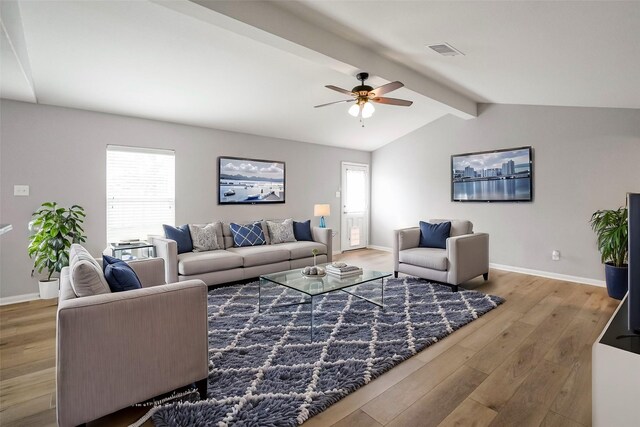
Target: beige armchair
(117,349)
(465,257)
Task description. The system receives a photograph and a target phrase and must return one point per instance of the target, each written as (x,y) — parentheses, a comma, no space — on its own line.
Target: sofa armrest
(150,271)
(167,249)
(121,348)
(404,238)
(468,257)
(324,236)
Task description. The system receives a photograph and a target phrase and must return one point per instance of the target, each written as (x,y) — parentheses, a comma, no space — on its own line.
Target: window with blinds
(140,192)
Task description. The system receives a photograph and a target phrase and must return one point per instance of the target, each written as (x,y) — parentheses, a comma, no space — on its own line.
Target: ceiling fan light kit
(364,96)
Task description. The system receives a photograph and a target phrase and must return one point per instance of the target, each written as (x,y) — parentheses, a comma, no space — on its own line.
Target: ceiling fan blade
(339,89)
(385,89)
(393,101)
(335,102)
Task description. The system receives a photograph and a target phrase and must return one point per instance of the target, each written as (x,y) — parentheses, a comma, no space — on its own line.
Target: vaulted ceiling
(260,67)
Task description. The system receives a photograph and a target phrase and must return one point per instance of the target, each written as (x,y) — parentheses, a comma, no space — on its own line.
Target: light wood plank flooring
(526,363)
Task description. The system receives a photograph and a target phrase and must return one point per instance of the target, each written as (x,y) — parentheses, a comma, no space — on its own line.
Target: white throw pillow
(281,232)
(86,275)
(204,237)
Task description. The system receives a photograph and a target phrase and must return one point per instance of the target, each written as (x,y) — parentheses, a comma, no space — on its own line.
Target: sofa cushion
(434,235)
(299,250)
(86,276)
(181,235)
(204,237)
(227,235)
(302,230)
(247,235)
(459,227)
(435,259)
(261,255)
(206,262)
(281,232)
(120,276)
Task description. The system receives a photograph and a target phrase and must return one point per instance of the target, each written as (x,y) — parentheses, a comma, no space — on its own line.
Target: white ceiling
(181,62)
(568,53)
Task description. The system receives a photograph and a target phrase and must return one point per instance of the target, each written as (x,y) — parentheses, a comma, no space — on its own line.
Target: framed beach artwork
(250,181)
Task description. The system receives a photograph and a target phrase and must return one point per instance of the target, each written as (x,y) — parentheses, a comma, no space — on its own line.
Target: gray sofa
(117,349)
(239,263)
(466,255)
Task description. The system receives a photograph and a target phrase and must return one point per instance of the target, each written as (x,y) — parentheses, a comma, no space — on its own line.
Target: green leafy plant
(54,230)
(612,231)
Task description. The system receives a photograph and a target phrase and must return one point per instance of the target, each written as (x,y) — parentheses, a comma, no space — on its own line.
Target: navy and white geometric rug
(265,371)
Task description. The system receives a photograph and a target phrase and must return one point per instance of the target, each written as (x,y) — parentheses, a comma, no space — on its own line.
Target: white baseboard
(547,274)
(380,248)
(550,275)
(19,298)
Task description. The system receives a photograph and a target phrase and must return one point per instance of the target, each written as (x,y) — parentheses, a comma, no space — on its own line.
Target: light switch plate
(337,194)
(20,190)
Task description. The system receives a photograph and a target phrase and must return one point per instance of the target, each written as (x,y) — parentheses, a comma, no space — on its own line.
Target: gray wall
(61,154)
(585,159)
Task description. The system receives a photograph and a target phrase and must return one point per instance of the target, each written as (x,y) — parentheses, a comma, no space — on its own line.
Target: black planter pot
(617,279)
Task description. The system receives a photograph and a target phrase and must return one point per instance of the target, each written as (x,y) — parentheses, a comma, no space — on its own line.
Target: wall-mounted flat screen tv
(493,176)
(250,181)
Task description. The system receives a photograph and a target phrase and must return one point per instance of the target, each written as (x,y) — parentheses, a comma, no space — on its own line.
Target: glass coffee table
(317,286)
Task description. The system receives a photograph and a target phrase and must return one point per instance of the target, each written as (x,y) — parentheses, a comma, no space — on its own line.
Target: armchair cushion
(433,258)
(181,235)
(119,275)
(434,235)
(86,275)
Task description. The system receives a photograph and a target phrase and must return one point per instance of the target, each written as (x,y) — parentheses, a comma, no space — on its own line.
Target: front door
(355,206)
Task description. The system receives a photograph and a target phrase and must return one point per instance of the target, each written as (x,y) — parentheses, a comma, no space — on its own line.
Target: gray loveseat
(466,255)
(239,263)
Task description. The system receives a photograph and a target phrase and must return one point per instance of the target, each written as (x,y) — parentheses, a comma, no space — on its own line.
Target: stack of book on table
(343,270)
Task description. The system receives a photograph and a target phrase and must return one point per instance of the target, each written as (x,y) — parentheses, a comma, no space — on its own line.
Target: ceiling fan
(363,96)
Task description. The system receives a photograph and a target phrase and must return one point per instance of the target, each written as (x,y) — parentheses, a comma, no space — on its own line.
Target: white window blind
(140,192)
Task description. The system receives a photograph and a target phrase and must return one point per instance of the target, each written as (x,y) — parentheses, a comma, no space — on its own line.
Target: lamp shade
(322,210)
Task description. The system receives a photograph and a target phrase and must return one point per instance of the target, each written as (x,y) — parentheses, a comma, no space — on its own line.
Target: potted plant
(54,230)
(612,231)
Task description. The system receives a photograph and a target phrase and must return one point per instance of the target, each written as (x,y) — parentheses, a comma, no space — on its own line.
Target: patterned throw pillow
(247,235)
(281,232)
(204,237)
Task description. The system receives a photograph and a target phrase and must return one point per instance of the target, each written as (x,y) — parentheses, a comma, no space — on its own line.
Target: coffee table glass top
(321,285)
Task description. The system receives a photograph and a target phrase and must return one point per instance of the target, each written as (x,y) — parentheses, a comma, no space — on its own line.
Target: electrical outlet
(555,255)
(20,190)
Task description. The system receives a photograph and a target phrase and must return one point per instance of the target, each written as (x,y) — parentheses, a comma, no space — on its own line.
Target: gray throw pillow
(85,273)
(281,232)
(204,237)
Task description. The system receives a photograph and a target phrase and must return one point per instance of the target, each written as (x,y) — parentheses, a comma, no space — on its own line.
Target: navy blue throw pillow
(120,276)
(434,235)
(247,235)
(181,235)
(302,230)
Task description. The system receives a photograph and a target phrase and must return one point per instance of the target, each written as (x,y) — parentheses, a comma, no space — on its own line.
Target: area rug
(265,370)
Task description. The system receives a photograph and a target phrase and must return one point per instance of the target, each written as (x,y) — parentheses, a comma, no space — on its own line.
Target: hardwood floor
(526,363)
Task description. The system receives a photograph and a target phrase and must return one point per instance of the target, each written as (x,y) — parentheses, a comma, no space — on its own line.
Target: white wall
(61,154)
(585,159)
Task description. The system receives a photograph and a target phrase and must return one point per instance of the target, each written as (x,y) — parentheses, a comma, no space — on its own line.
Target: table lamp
(322,211)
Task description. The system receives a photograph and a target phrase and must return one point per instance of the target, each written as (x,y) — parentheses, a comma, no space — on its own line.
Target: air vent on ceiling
(445,49)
